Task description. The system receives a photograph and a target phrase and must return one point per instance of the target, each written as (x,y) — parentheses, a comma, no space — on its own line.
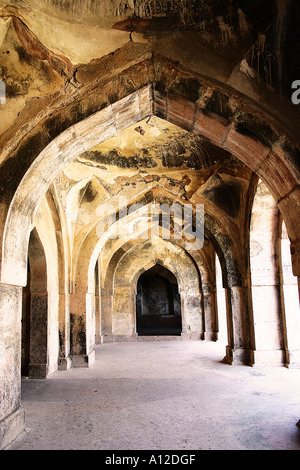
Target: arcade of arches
(133,108)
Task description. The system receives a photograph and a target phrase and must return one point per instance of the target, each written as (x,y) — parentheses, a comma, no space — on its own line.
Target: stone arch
(35,312)
(107,287)
(213,230)
(158,303)
(64,256)
(70,143)
(204,262)
(46,225)
(259,142)
(45,160)
(43,294)
(239,317)
(234,278)
(129,270)
(41,149)
(78,202)
(82,299)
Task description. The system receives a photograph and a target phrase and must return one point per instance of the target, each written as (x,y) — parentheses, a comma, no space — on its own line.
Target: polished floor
(162,395)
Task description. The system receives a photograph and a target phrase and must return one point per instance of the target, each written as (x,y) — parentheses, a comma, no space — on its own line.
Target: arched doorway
(35,341)
(158,305)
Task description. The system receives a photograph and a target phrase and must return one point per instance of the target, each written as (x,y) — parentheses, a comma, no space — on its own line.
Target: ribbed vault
(108,151)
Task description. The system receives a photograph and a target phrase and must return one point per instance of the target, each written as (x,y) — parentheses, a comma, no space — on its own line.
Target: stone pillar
(210,313)
(124,321)
(25,342)
(12,417)
(64,362)
(192,321)
(268,314)
(269,341)
(240,335)
(106,315)
(81,353)
(221,308)
(90,321)
(291,308)
(98,320)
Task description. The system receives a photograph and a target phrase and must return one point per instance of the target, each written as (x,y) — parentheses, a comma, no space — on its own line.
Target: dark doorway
(34,351)
(158,306)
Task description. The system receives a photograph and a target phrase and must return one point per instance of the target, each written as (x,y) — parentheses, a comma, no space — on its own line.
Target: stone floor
(165,395)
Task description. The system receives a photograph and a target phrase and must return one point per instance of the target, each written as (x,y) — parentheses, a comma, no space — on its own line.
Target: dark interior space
(158,308)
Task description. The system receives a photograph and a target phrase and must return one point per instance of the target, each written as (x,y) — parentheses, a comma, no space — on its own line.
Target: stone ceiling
(249,45)
(151,159)
(216,35)
(94,28)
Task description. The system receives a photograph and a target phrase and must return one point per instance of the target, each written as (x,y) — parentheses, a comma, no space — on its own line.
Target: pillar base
(64,363)
(159,338)
(193,336)
(125,338)
(293,360)
(99,339)
(119,338)
(238,356)
(210,336)
(11,427)
(107,338)
(38,371)
(273,358)
(86,360)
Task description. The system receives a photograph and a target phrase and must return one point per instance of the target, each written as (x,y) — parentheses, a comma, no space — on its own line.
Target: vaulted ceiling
(51,50)
(259,39)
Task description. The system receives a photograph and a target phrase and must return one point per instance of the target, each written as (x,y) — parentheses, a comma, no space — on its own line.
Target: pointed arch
(253,137)
(141,258)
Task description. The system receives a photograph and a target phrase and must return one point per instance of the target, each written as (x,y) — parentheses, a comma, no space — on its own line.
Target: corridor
(162,395)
